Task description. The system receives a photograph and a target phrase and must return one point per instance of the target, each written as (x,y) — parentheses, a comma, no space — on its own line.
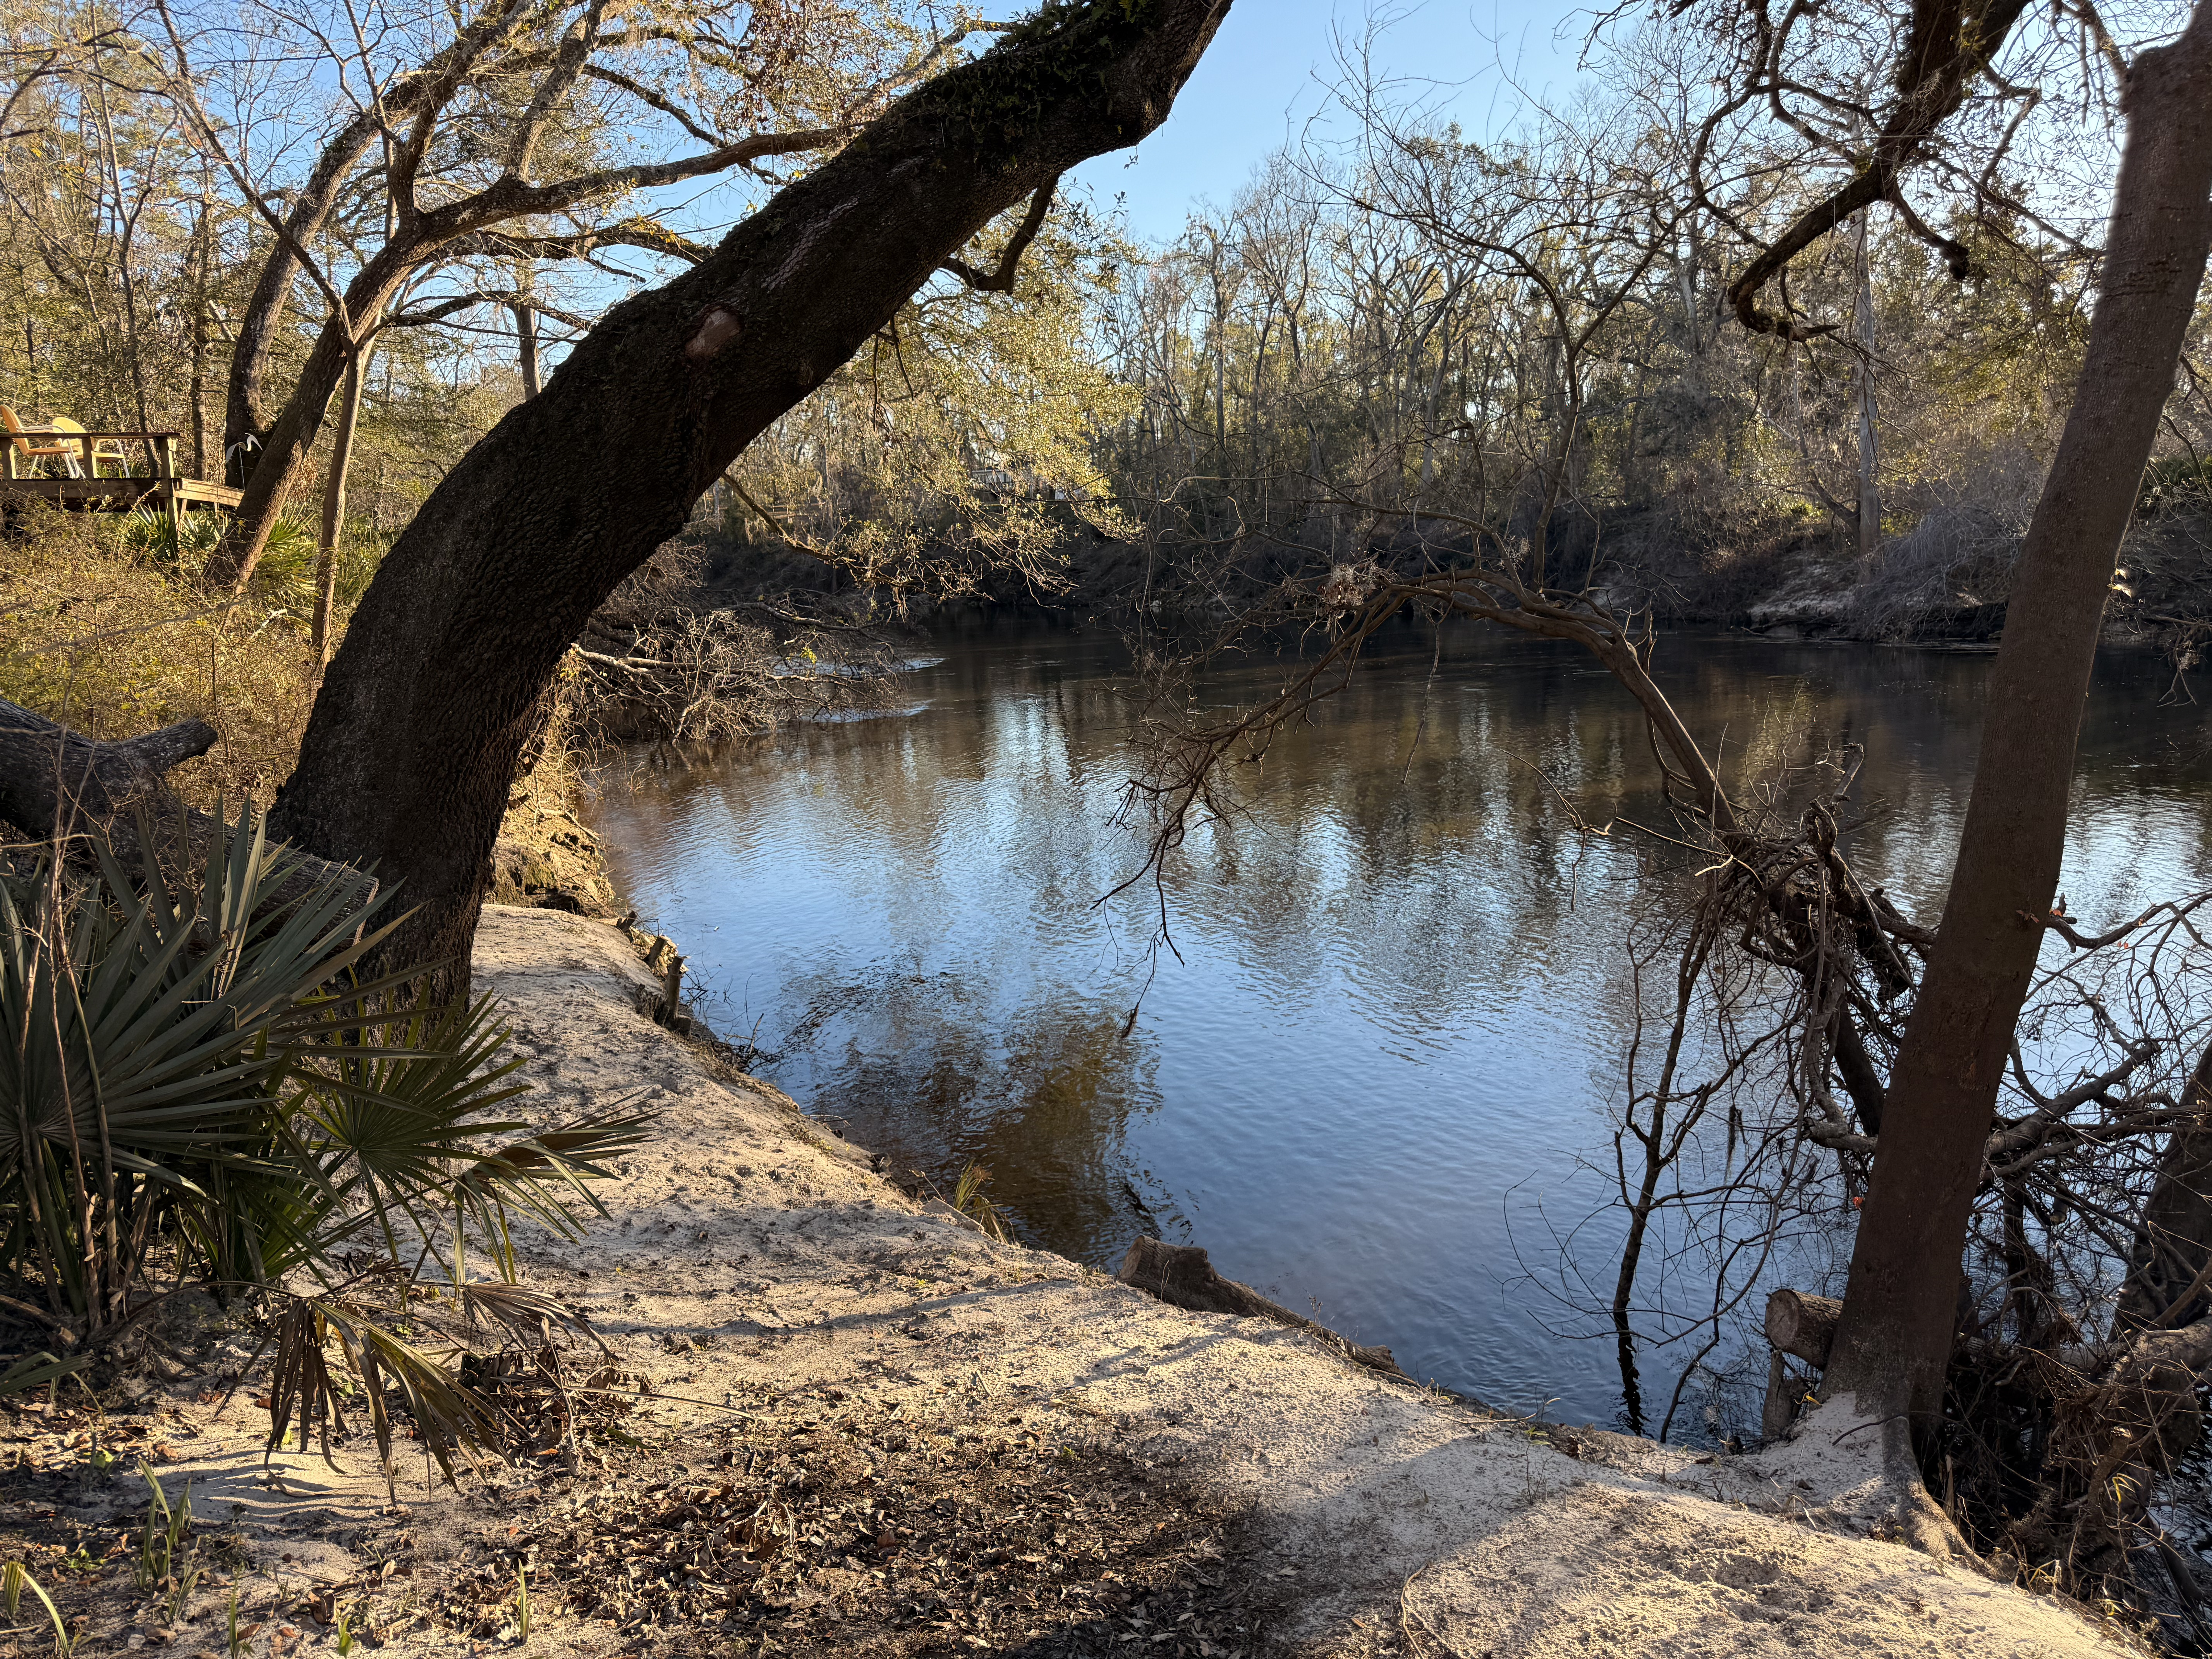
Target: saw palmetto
(196,1073)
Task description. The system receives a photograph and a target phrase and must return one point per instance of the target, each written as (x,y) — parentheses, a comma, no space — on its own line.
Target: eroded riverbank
(870,1429)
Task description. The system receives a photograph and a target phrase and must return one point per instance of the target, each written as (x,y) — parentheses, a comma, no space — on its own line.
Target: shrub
(2178,483)
(102,630)
(198,1078)
(1958,559)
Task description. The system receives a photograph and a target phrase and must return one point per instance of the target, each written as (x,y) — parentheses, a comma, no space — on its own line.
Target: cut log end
(1803,1325)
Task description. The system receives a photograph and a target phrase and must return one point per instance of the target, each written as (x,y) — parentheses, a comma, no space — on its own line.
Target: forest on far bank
(1396,343)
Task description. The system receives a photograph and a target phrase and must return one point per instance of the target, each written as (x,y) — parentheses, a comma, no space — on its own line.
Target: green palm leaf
(192,1065)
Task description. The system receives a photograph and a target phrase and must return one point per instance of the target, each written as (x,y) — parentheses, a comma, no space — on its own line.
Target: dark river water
(1372,1076)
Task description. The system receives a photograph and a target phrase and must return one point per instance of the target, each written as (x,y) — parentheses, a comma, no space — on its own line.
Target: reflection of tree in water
(929,1072)
(907,905)
(1427,862)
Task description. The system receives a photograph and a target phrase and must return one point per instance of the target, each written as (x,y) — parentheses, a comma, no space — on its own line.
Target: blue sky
(1265,76)
(1267,72)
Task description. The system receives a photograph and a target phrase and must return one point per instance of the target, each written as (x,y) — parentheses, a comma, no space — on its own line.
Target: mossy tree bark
(427,705)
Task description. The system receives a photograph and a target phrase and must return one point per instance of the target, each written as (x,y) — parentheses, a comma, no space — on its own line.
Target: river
(1373,1071)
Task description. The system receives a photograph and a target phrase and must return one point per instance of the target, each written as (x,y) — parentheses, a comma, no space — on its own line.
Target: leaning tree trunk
(414,738)
(260,328)
(1899,1307)
(334,487)
(284,446)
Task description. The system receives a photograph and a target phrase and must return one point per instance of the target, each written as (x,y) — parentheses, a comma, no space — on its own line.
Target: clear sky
(1268,72)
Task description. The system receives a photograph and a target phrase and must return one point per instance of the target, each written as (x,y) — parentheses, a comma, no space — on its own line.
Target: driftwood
(1803,1325)
(1180,1275)
(1787,1391)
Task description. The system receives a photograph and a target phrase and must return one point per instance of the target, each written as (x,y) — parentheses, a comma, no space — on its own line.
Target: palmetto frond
(196,1066)
(151,1035)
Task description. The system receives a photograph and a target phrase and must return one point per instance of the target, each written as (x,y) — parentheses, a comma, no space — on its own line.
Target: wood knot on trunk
(716,330)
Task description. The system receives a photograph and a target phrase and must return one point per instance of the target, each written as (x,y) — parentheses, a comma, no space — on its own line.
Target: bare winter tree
(1900,1318)
(1903,1035)
(446,136)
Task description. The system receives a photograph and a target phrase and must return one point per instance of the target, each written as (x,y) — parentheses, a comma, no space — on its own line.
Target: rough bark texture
(334,505)
(427,704)
(246,417)
(1182,1276)
(1895,1336)
(52,779)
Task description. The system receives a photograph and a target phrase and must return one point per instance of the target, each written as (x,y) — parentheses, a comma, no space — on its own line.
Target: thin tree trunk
(526,348)
(334,490)
(260,327)
(1900,1307)
(203,237)
(423,716)
(285,446)
(1870,457)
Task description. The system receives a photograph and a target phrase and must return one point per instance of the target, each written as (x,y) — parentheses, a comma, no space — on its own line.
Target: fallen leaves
(855,1536)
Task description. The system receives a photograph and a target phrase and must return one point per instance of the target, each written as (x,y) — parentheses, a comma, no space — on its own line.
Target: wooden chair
(96,450)
(21,449)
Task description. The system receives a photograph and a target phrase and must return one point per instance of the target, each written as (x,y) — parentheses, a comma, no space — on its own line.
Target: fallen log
(1803,1325)
(58,786)
(52,779)
(1182,1276)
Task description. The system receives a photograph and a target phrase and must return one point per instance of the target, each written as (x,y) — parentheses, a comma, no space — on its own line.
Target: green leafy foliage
(161,1551)
(179,541)
(15,1579)
(196,1072)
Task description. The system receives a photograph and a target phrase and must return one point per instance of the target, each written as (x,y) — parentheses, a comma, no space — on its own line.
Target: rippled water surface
(1373,1074)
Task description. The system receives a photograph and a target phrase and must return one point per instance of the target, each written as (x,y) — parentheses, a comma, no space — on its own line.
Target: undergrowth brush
(106,628)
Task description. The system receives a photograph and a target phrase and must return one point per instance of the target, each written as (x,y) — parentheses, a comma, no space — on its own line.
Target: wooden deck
(34,449)
(119,495)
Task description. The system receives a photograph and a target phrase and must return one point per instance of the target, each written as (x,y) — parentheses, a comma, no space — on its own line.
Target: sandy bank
(753,1259)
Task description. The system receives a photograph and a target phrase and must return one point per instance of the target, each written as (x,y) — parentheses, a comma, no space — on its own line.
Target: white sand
(1397,1519)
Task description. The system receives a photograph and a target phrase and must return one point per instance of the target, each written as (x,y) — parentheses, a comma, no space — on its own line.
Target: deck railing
(160,451)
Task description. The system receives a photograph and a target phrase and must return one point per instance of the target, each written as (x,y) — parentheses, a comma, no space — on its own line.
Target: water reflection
(1392,1014)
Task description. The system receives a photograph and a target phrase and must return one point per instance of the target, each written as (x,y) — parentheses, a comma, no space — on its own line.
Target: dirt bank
(870,1430)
